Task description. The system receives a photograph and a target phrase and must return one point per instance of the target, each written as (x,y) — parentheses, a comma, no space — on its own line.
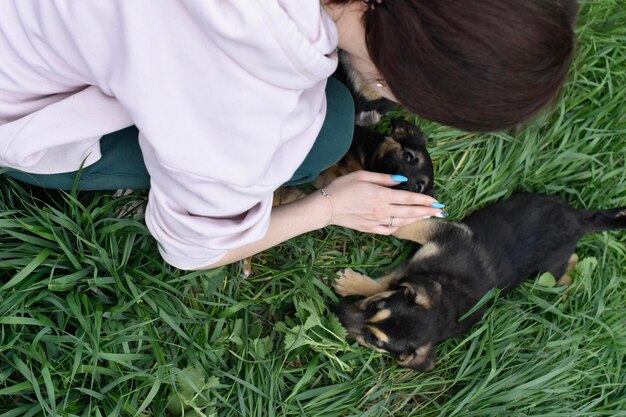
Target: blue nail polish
(438,205)
(399,178)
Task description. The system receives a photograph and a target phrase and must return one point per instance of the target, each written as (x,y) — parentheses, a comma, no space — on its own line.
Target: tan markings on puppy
(420,232)
(376,297)
(388,146)
(328,175)
(380,316)
(566,279)
(428,250)
(368,118)
(368,92)
(464,227)
(358,81)
(378,334)
(572,262)
(345,166)
(418,357)
(390,279)
(363,342)
(246,267)
(351,165)
(362,86)
(422,298)
(353,283)
(402,131)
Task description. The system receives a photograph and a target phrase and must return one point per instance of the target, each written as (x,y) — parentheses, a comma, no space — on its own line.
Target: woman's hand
(366,202)
(360,200)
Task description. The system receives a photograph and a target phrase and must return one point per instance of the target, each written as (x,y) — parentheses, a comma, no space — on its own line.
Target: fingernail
(442,215)
(399,178)
(438,205)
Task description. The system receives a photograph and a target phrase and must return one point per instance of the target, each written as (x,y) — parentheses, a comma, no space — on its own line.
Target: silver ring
(390,225)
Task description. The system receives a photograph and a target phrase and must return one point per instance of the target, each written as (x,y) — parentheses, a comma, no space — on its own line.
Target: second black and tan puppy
(418,305)
(403,151)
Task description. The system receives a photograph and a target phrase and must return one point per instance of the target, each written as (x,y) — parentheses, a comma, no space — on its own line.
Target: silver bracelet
(332,208)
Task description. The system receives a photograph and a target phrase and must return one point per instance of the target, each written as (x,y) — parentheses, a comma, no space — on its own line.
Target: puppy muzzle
(351,318)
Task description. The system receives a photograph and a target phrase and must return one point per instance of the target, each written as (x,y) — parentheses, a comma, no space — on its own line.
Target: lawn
(92,323)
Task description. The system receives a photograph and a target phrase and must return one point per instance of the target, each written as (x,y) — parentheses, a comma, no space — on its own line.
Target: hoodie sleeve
(228,98)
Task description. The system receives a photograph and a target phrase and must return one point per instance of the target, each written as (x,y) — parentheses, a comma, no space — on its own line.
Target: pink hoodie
(228,97)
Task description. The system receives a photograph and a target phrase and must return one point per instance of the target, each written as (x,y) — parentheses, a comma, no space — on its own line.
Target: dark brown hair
(478,65)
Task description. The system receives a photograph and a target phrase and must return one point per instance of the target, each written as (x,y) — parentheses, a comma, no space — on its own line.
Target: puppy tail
(600,220)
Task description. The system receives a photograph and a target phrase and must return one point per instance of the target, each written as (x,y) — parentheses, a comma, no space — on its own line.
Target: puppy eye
(373,340)
(408,156)
(376,306)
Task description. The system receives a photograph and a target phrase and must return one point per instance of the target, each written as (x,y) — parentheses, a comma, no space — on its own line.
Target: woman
(229,98)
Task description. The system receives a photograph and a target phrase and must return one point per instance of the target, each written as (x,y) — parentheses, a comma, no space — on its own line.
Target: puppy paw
(571,263)
(353,283)
(368,118)
(566,279)
(246,267)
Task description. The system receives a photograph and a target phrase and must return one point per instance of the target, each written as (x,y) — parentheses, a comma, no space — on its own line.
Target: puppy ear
(406,132)
(367,118)
(426,298)
(421,359)
(401,128)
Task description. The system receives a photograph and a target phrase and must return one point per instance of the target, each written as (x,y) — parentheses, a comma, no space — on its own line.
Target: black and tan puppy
(403,151)
(408,311)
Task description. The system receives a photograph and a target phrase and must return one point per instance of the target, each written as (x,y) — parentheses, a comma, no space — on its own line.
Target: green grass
(92,323)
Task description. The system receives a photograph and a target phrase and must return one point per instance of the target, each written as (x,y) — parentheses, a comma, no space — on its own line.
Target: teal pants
(121,165)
